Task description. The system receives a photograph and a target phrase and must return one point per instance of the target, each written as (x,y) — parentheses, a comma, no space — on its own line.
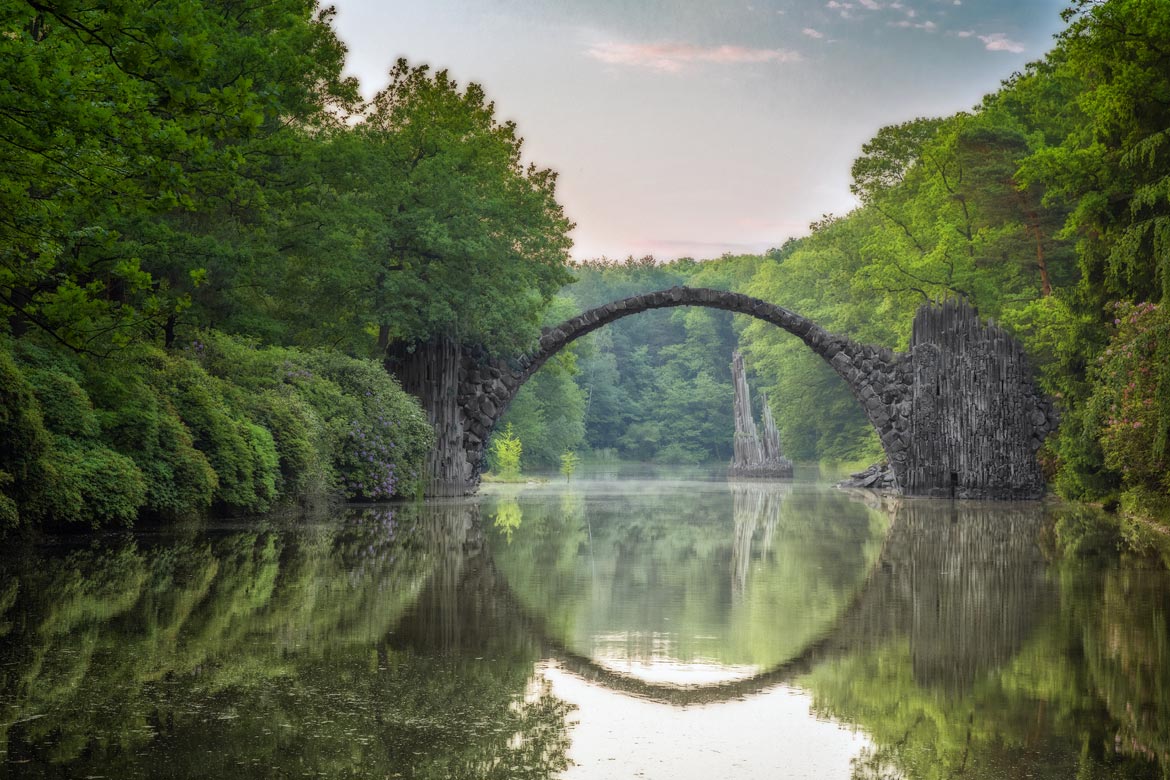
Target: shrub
(1132,396)
(266,463)
(65,407)
(95,485)
(138,420)
(24,443)
(217,430)
(300,439)
(225,422)
(338,422)
(382,437)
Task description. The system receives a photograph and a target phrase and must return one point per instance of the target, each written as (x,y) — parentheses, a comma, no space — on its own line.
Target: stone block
(842,363)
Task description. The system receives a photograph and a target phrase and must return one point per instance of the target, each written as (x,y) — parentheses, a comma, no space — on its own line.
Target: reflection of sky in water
(769,735)
(689,585)
(660,664)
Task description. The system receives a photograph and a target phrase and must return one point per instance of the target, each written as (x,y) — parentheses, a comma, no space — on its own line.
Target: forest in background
(209,244)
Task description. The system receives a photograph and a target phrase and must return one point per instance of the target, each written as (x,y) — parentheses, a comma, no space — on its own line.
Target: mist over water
(632,622)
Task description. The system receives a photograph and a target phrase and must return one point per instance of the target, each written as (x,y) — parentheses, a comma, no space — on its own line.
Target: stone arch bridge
(958,415)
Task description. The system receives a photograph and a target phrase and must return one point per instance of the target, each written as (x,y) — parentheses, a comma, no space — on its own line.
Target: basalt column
(431,374)
(977,417)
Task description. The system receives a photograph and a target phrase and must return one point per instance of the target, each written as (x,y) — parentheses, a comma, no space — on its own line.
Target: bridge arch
(875,376)
(958,415)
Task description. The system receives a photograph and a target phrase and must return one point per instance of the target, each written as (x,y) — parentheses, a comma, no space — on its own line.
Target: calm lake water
(608,628)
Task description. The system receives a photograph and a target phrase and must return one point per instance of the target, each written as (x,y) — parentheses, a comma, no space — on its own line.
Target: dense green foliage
(139,147)
(223,424)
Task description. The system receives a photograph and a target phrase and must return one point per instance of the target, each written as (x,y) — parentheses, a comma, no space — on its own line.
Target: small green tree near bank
(569,463)
(505,453)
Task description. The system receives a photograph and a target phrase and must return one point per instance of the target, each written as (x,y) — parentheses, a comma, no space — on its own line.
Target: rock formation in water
(756,456)
(879,477)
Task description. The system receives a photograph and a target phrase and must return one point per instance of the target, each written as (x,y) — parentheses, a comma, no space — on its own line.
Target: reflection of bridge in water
(962,583)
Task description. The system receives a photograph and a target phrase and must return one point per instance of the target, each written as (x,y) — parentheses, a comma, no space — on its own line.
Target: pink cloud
(810,32)
(906,25)
(1000,42)
(673,57)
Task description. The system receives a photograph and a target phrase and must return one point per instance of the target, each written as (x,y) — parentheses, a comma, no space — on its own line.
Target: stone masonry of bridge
(958,415)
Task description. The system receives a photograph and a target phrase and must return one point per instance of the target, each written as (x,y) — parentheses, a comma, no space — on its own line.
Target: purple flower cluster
(293,372)
(370,470)
(369,544)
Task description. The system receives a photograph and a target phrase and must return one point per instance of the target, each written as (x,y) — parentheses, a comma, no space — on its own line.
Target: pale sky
(699,127)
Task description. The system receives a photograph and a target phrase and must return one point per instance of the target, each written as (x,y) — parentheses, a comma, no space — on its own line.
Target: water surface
(676,627)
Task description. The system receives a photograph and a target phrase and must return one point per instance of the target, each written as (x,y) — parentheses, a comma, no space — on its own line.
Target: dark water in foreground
(603,629)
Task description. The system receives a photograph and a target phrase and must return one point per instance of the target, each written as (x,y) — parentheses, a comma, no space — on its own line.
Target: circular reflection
(706,585)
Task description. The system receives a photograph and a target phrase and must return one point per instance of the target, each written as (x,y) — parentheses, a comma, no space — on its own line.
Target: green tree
(137,140)
(505,451)
(454,236)
(1105,91)
(569,463)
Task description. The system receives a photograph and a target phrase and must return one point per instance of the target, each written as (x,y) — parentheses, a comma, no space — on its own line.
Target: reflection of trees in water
(755,506)
(1127,649)
(1122,615)
(459,612)
(265,653)
(976,657)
